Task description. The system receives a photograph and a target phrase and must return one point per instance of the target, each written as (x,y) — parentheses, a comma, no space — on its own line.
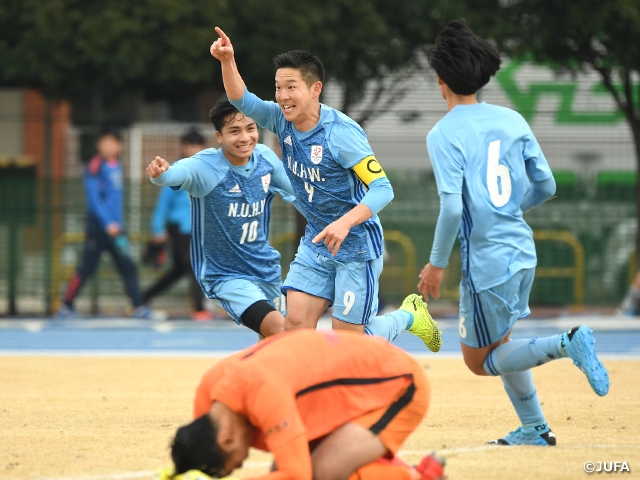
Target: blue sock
(524,398)
(389,326)
(521,355)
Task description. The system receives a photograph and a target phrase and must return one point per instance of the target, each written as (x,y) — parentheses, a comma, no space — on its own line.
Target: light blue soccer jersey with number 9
(488,154)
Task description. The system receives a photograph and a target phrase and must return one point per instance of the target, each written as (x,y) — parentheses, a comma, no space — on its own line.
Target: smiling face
(238,138)
(298,101)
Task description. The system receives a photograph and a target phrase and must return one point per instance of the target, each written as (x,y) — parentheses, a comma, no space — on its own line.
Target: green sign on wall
(525,100)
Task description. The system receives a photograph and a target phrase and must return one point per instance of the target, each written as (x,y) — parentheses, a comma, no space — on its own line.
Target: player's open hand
(430,281)
(333,235)
(222,48)
(157,167)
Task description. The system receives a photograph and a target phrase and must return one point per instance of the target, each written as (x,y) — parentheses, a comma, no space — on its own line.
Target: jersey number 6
(496,171)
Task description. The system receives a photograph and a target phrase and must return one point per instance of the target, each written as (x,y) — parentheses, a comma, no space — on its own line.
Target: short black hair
(307,63)
(220,113)
(109,131)
(192,137)
(464,61)
(195,447)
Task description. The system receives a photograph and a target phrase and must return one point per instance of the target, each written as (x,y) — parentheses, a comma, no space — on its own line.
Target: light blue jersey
(489,155)
(172,207)
(319,165)
(230,210)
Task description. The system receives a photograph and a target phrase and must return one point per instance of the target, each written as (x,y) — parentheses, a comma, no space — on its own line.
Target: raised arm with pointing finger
(223,51)
(340,187)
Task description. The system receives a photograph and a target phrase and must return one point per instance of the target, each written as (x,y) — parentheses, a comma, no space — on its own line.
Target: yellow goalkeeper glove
(168,473)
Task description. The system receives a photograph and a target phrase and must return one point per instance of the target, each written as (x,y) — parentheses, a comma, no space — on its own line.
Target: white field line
(213,354)
(443,452)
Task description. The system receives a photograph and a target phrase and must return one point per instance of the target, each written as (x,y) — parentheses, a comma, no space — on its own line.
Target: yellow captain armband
(369,170)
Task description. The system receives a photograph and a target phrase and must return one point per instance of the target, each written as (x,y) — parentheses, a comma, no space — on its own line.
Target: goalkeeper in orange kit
(328,405)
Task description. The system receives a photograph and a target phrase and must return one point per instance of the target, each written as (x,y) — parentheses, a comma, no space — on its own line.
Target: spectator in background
(105,226)
(172,216)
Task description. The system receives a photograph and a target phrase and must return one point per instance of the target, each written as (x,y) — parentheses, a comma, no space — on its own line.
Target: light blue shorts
(351,287)
(487,316)
(236,295)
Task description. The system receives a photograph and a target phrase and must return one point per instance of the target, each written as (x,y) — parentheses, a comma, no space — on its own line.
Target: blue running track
(614,337)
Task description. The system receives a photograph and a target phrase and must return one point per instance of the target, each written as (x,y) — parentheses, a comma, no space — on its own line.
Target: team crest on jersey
(266,181)
(316,154)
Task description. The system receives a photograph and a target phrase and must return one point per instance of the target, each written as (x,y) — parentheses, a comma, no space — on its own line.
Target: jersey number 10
(249,231)
(496,171)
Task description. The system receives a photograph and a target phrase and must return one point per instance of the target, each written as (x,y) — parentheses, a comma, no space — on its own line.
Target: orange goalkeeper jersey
(308,383)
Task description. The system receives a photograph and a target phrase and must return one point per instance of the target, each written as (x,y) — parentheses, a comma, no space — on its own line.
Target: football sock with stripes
(523,396)
(389,326)
(521,355)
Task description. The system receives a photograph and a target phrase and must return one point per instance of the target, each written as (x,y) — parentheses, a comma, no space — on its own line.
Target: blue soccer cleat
(538,436)
(578,344)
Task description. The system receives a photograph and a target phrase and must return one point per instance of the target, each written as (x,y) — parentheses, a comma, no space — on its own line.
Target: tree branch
(605,74)
(377,102)
(628,93)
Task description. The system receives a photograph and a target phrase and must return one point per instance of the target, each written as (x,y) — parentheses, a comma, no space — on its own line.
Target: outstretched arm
(222,49)
(189,174)
(161,173)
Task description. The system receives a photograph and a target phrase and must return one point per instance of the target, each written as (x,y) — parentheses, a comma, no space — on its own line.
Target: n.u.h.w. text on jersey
(247,210)
(304,172)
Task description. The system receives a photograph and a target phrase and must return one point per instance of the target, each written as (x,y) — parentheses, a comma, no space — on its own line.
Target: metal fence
(584,242)
(584,237)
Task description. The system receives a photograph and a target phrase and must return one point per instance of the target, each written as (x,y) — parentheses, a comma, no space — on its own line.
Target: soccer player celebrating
(231,191)
(328,405)
(172,216)
(490,169)
(340,187)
